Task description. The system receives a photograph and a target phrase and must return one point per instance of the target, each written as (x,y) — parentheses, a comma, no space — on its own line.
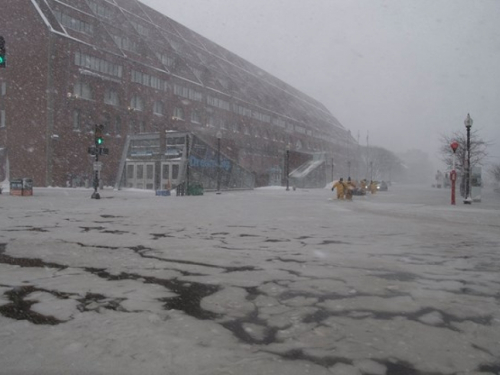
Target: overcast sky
(404,71)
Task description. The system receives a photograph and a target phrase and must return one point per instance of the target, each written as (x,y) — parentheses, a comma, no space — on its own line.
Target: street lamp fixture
(287,166)
(219,136)
(468,124)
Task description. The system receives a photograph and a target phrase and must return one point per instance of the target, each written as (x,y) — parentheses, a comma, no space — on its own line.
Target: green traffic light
(2,59)
(100,141)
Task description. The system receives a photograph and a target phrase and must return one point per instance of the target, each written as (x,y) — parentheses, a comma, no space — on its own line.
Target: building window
(107,123)
(100,10)
(126,43)
(77,120)
(142,127)
(144,31)
(211,121)
(178,113)
(111,97)
(158,108)
(118,125)
(165,59)
(2,118)
(195,116)
(136,103)
(82,90)
(175,171)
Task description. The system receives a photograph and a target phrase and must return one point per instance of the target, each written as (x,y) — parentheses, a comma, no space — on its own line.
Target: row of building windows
(166,59)
(100,10)
(188,93)
(149,80)
(98,65)
(144,79)
(219,103)
(74,23)
(83,90)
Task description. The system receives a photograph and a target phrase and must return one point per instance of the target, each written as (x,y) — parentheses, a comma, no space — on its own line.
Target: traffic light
(2,52)
(99,140)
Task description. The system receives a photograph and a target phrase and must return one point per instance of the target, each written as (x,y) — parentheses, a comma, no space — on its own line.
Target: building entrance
(140,175)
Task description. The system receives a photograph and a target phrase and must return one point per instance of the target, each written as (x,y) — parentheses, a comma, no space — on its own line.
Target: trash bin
(195,189)
(16,187)
(27,187)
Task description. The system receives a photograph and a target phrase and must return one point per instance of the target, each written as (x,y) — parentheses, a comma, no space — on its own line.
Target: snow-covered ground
(256,282)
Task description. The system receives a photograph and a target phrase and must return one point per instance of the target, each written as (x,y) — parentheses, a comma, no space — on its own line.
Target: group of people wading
(345,189)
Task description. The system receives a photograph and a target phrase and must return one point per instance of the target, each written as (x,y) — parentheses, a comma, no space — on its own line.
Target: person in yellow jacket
(340,186)
(373,187)
(349,187)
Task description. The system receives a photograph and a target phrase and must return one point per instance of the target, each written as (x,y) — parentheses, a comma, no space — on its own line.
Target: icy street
(255,282)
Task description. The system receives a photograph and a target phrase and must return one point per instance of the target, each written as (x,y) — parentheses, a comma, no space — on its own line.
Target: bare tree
(478,149)
(495,172)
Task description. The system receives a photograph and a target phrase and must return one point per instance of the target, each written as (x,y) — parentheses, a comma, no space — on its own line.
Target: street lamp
(219,136)
(333,165)
(468,123)
(287,169)
(371,171)
(453,174)
(349,169)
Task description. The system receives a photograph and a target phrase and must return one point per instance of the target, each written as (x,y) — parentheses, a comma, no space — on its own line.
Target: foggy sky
(404,71)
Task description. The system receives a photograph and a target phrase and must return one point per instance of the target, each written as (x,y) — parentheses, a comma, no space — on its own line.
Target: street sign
(97,166)
(92,150)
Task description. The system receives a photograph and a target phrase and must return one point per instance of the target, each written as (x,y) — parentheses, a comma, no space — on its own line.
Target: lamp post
(468,124)
(333,165)
(453,174)
(219,136)
(348,169)
(371,171)
(287,165)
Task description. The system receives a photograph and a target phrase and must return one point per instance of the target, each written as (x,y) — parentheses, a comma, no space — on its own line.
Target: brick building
(72,64)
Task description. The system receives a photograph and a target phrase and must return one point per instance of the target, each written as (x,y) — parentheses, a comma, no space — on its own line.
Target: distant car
(382,186)
(358,191)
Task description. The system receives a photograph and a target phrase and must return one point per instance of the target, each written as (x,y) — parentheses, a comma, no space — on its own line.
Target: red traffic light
(454,146)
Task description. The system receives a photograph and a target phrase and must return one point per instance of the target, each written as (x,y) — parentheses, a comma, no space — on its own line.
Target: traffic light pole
(97,141)
(95,194)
